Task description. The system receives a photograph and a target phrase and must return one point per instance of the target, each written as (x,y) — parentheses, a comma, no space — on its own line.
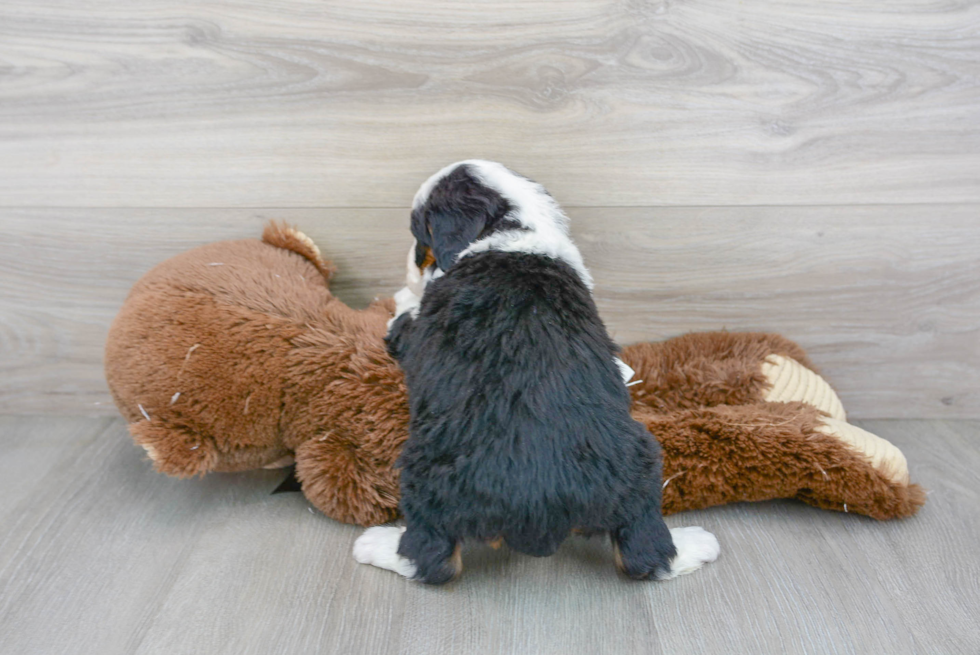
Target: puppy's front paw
(378,546)
(695,547)
(407,301)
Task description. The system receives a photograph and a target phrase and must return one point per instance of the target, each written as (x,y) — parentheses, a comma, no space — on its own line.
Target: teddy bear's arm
(725,454)
(707,368)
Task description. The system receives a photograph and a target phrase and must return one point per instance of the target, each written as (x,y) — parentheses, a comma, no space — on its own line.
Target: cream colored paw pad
(305,240)
(281,463)
(880,453)
(791,381)
(151,452)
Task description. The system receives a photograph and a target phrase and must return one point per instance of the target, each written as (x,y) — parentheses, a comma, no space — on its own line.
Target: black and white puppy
(520,421)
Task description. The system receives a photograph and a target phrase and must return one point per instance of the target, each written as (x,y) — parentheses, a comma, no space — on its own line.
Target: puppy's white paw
(695,547)
(378,546)
(406,301)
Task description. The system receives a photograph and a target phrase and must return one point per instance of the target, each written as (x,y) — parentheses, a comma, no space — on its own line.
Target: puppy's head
(453,209)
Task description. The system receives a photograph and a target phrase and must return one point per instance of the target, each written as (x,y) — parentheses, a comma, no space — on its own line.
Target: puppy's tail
(282,235)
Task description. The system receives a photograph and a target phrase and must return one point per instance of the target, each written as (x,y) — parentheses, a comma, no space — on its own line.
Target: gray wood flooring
(99,554)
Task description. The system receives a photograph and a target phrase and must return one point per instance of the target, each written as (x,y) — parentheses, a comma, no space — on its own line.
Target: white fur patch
(546,226)
(624,370)
(413,276)
(417,280)
(378,546)
(405,301)
(695,547)
(431,273)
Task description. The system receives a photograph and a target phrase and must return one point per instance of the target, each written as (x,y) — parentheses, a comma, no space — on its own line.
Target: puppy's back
(520,423)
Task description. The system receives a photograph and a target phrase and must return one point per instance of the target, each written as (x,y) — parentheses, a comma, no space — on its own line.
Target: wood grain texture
(98,554)
(885,299)
(298,103)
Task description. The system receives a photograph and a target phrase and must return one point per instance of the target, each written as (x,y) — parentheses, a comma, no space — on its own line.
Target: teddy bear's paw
(695,548)
(173,451)
(790,381)
(281,235)
(378,546)
(280,463)
(884,456)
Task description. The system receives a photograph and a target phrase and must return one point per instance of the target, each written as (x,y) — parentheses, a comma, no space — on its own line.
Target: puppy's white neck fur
(545,225)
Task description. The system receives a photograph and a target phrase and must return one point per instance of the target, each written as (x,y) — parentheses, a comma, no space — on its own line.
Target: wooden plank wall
(808,168)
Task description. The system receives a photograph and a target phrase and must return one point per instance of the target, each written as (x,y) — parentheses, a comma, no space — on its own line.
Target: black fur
(458,211)
(520,423)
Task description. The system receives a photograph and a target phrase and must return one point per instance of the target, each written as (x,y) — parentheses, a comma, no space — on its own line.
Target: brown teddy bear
(236,356)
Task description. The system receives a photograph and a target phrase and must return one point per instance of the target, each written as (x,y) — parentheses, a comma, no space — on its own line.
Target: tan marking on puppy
(429,260)
(456,561)
(415,276)
(618,558)
(496,543)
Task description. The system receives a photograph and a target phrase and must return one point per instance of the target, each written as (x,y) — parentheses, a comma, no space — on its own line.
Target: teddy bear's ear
(282,235)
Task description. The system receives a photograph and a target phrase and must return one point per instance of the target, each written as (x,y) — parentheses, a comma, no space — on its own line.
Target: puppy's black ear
(460,211)
(421,253)
(453,229)
(420,230)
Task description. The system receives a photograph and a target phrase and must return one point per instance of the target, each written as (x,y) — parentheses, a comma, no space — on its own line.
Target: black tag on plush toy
(291,483)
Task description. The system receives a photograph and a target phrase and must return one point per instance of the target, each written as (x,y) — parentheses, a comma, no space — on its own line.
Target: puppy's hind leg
(644,548)
(647,549)
(436,556)
(418,554)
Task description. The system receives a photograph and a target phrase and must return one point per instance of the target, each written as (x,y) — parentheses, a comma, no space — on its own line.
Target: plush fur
(268,363)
